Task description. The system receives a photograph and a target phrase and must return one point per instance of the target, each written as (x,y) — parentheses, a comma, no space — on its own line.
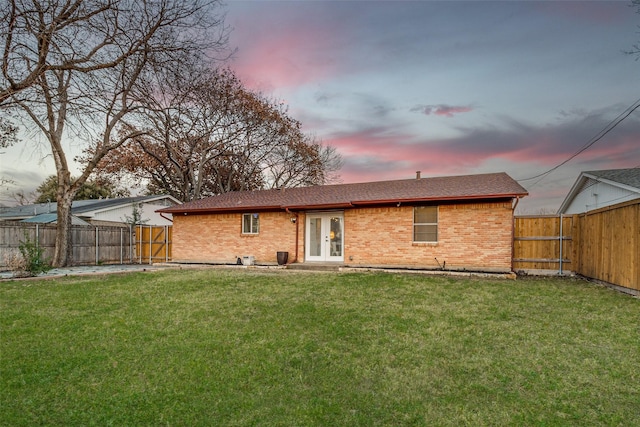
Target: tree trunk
(63,253)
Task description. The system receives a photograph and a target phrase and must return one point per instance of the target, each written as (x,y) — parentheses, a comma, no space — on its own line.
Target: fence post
(140,247)
(150,244)
(96,245)
(166,243)
(121,244)
(561,238)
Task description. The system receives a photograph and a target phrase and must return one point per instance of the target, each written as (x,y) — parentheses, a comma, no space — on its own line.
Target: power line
(615,122)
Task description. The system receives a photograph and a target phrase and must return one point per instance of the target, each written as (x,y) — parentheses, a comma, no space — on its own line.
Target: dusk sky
(451,88)
(447,88)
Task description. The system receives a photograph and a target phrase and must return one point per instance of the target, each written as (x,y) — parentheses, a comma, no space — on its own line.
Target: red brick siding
(218,238)
(472,236)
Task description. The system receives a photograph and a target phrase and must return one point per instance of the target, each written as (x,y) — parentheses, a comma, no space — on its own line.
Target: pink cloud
(280,51)
(375,155)
(378,154)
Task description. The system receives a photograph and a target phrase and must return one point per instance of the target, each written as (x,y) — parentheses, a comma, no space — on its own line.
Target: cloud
(286,47)
(520,149)
(441,110)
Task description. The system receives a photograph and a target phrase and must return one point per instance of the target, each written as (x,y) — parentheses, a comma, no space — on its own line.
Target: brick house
(457,223)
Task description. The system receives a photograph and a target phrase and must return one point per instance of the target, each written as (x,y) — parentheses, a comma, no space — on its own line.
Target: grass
(237,348)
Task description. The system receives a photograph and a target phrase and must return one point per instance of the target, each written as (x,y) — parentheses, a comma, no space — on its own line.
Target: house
(457,222)
(598,189)
(114,212)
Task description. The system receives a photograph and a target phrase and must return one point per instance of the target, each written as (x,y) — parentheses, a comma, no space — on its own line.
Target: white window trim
(413,229)
(254,217)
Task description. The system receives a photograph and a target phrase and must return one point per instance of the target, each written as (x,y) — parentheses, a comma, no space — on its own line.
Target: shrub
(34,261)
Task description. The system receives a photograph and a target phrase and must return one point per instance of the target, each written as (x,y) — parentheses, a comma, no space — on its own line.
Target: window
(425,224)
(250,223)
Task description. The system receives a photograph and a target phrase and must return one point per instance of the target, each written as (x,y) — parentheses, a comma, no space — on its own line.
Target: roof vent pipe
(417,174)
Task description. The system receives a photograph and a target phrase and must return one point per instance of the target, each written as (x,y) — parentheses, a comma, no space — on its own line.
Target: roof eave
(202,211)
(343,205)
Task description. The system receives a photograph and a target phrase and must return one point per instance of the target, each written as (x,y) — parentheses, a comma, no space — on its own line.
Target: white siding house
(117,211)
(597,189)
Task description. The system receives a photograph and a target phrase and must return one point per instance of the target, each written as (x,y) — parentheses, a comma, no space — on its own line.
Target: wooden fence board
(602,244)
(537,241)
(90,244)
(153,243)
(610,245)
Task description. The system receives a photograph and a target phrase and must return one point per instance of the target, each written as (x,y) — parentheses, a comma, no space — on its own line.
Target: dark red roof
(449,188)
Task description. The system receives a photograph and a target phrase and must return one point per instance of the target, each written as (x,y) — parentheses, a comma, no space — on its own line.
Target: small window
(250,223)
(425,224)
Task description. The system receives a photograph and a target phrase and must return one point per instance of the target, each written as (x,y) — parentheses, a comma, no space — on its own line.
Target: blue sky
(447,88)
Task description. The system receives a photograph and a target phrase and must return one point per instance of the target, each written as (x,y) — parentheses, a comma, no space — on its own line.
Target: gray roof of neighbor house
(630,177)
(52,218)
(78,207)
(437,189)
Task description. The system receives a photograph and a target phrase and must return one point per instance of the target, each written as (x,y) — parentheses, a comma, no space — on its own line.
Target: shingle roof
(485,186)
(630,177)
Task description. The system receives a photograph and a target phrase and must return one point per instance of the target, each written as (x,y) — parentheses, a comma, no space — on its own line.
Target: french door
(324,240)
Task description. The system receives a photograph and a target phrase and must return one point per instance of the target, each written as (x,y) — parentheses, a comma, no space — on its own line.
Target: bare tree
(211,135)
(79,66)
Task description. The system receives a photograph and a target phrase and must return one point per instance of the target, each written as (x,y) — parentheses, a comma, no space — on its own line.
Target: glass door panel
(324,238)
(315,237)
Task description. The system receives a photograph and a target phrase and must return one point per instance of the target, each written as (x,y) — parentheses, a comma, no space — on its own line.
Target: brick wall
(475,236)
(470,236)
(219,239)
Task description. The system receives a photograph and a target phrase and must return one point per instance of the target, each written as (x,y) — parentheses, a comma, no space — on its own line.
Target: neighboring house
(116,211)
(52,218)
(458,222)
(598,189)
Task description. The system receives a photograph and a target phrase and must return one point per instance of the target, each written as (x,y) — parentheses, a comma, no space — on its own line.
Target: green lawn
(251,347)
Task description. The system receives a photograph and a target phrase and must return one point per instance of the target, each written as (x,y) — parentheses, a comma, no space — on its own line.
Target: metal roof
(52,218)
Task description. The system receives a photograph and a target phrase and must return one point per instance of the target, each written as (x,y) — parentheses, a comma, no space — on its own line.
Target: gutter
(437,199)
(513,228)
(162,215)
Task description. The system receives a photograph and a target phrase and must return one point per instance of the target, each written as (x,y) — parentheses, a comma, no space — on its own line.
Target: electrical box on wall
(248,260)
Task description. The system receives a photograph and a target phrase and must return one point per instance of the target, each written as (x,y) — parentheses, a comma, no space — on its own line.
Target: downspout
(295,260)
(513,230)
(168,219)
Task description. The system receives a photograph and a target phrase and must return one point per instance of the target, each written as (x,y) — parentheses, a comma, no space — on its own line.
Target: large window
(250,223)
(425,224)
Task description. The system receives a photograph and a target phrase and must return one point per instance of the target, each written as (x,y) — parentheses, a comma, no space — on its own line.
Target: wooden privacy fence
(603,244)
(91,244)
(153,244)
(543,243)
(609,248)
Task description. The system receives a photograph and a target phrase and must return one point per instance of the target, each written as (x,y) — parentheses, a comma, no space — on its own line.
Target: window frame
(254,219)
(436,224)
